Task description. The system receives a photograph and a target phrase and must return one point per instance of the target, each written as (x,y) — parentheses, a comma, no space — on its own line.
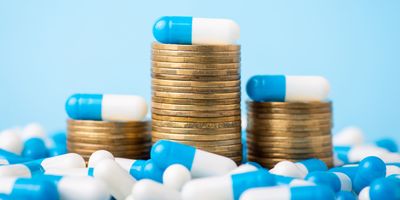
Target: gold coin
(200,125)
(194,53)
(270,163)
(107,134)
(269,133)
(224,148)
(263,151)
(197,48)
(196,72)
(196,84)
(276,160)
(289,105)
(95,140)
(197,137)
(291,139)
(291,156)
(196,113)
(252,111)
(288,146)
(290,123)
(195,119)
(196,131)
(85,144)
(108,130)
(228,154)
(260,116)
(115,153)
(107,124)
(290,128)
(204,59)
(177,107)
(195,78)
(197,96)
(197,66)
(199,144)
(183,101)
(195,90)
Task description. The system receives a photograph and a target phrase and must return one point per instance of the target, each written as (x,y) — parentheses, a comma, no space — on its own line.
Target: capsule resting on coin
(106,107)
(283,88)
(191,30)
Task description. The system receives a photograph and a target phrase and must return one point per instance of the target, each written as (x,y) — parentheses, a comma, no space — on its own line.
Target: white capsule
(11,141)
(33,130)
(348,136)
(147,189)
(287,168)
(246,167)
(70,172)
(98,156)
(65,161)
(118,180)
(175,176)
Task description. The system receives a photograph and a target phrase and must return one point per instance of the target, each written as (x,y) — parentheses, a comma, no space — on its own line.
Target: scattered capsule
(246,167)
(285,180)
(383,188)
(117,180)
(388,144)
(147,189)
(335,180)
(175,176)
(226,187)
(23,188)
(11,141)
(98,156)
(141,169)
(106,107)
(191,30)
(35,148)
(289,193)
(346,195)
(369,169)
(200,163)
(299,169)
(283,88)
(72,188)
(354,154)
(12,158)
(59,144)
(349,136)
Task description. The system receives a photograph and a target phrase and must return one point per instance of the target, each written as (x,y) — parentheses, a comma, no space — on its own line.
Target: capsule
(150,190)
(175,176)
(246,167)
(299,169)
(382,188)
(191,30)
(289,181)
(226,187)
(346,195)
(59,144)
(34,138)
(23,188)
(12,158)
(289,193)
(388,144)
(283,88)
(354,154)
(335,180)
(106,107)
(141,169)
(11,141)
(70,172)
(98,156)
(71,188)
(200,163)
(348,136)
(369,169)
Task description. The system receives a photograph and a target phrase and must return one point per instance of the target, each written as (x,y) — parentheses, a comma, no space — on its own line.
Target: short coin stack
(122,139)
(293,131)
(196,96)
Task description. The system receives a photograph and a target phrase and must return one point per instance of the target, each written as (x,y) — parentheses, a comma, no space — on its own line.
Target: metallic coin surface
(197,113)
(197,48)
(197,66)
(196,84)
(194,53)
(209,102)
(195,78)
(203,125)
(232,95)
(208,90)
(177,107)
(194,119)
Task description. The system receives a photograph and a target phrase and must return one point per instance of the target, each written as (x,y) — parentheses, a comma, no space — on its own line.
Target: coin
(289,105)
(194,53)
(197,66)
(197,96)
(107,124)
(196,131)
(195,90)
(110,135)
(269,133)
(290,128)
(252,111)
(264,151)
(201,125)
(270,163)
(197,137)
(196,84)
(195,119)
(290,139)
(195,78)
(183,101)
(197,48)
(283,122)
(197,113)
(119,141)
(195,72)
(176,107)
(203,59)
(108,130)
(292,156)
(199,144)
(260,116)
(224,148)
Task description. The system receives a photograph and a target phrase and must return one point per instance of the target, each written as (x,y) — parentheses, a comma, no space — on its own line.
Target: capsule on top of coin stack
(196,88)
(288,119)
(110,122)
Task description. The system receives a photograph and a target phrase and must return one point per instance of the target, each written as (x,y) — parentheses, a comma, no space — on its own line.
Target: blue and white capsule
(281,88)
(289,193)
(106,107)
(191,30)
(200,163)
(299,169)
(226,187)
(335,180)
(246,167)
(23,188)
(141,169)
(383,188)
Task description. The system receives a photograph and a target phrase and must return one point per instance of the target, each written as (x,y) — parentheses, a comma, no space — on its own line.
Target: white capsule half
(11,141)
(147,189)
(175,176)
(98,156)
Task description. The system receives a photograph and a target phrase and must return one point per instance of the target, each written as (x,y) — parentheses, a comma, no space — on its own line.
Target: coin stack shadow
(122,139)
(279,131)
(196,96)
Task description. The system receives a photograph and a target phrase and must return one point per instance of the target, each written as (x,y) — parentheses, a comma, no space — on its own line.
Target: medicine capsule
(346,195)
(246,167)
(353,154)
(98,156)
(299,169)
(283,88)
(141,169)
(348,136)
(289,193)
(106,107)
(70,172)
(11,141)
(335,180)
(12,158)
(190,30)
(226,187)
(150,190)
(175,176)
(369,169)
(383,188)
(23,188)
(200,163)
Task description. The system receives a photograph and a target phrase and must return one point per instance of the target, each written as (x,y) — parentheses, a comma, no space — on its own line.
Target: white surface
(16,170)
(11,141)
(125,163)
(275,193)
(209,164)
(68,172)
(147,189)
(123,108)
(65,161)
(345,181)
(287,168)
(364,194)
(243,168)
(175,176)
(300,182)
(359,152)
(77,188)
(6,185)
(214,31)
(118,181)
(348,136)
(306,88)
(98,156)
(212,188)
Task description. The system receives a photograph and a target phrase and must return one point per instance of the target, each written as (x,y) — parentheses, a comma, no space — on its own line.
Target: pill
(283,88)
(289,193)
(70,172)
(337,181)
(348,136)
(388,144)
(12,158)
(192,30)
(175,176)
(71,188)
(200,163)
(147,189)
(28,169)
(11,141)
(354,154)
(23,188)
(369,169)
(299,169)
(98,156)
(117,180)
(346,195)
(141,169)
(246,167)
(35,148)
(226,187)
(285,180)
(106,107)
(385,188)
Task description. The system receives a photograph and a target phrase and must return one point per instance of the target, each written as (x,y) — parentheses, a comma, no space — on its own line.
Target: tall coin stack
(196,96)
(279,131)
(122,139)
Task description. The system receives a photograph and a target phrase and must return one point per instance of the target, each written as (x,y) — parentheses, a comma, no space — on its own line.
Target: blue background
(50,49)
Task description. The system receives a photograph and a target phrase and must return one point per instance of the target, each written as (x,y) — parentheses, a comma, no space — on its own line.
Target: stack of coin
(196,96)
(122,139)
(292,131)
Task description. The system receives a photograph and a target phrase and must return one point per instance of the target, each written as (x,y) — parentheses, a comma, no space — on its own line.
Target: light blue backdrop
(50,49)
